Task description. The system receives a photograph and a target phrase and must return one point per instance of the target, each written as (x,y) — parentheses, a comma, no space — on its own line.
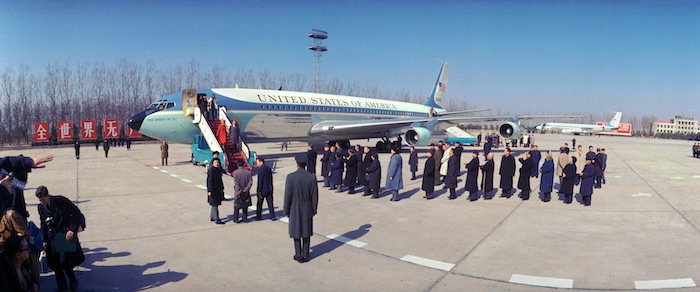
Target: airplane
(566,128)
(278,116)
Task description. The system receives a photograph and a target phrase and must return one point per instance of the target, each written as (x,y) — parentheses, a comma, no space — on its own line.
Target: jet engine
(422,137)
(511,131)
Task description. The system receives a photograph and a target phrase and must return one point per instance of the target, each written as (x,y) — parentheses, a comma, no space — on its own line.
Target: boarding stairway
(208,129)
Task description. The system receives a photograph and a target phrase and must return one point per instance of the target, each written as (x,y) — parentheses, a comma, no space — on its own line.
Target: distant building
(679,125)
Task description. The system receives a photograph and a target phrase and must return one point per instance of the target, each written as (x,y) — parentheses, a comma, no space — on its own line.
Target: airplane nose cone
(136,121)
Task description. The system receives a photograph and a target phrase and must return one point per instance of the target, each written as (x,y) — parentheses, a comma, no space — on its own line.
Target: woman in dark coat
(472,186)
(215,190)
(587,182)
(350,172)
(525,172)
(428,184)
(487,176)
(336,169)
(507,171)
(569,180)
(374,176)
(547,179)
(452,173)
(60,217)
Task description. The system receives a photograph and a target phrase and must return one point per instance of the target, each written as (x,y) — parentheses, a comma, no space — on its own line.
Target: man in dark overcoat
(242,183)
(66,219)
(569,180)
(458,149)
(311,156)
(374,176)
(536,156)
(587,182)
(547,180)
(525,172)
(487,146)
(600,163)
(438,158)
(413,162)
(507,171)
(428,184)
(163,153)
(451,174)
(472,185)
(105,146)
(215,190)
(235,133)
(336,169)
(362,170)
(325,170)
(350,171)
(76,145)
(300,206)
(487,177)
(264,189)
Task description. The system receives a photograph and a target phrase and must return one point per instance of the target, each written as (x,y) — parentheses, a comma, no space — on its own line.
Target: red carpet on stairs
(231,156)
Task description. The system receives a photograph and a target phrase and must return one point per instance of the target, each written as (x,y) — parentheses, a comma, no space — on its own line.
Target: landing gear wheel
(381,147)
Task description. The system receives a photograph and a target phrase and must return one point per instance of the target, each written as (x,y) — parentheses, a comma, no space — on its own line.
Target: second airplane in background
(613,125)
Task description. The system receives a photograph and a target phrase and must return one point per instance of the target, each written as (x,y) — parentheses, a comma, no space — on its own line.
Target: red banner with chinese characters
(41,132)
(131,133)
(88,129)
(64,130)
(624,128)
(111,128)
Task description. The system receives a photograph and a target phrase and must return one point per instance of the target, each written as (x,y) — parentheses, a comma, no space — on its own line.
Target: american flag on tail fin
(441,86)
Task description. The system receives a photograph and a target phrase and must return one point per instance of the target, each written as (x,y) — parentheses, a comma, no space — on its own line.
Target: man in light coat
(242,182)
(394,175)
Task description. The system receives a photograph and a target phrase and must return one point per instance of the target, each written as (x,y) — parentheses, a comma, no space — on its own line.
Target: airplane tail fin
(615,122)
(437,97)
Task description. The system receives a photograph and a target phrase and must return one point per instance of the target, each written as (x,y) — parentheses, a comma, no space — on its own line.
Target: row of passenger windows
(337,109)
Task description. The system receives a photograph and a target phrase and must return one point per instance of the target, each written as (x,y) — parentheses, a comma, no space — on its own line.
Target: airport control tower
(318,48)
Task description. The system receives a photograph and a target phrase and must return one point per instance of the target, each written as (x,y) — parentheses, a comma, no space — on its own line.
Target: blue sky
(520,56)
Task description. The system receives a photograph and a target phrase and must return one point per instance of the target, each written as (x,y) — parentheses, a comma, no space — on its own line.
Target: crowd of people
(21,241)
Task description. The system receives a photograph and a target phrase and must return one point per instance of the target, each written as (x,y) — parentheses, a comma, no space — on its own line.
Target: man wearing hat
(300,205)
(242,182)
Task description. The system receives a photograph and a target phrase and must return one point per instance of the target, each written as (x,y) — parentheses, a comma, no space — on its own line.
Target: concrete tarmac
(148,227)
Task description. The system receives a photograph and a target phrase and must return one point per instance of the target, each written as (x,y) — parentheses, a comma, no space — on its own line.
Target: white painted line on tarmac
(156,167)
(174,175)
(186,180)
(163,171)
(201,187)
(677,177)
(428,263)
(642,195)
(664,284)
(348,241)
(696,176)
(284,219)
(542,281)
(253,208)
(617,176)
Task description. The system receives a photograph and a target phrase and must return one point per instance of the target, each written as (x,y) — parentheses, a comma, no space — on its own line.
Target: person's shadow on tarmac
(95,277)
(331,244)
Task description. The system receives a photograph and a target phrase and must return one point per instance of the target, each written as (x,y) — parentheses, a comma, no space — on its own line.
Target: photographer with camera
(60,222)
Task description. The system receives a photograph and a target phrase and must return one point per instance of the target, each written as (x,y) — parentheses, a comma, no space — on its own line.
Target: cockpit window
(161,105)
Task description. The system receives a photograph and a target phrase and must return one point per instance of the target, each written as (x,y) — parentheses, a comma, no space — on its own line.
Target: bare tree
(8,88)
(192,74)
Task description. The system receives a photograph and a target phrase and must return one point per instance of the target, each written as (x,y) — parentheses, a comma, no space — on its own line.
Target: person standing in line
(590,155)
(60,220)
(394,174)
(105,146)
(507,172)
(587,182)
(569,180)
(457,150)
(336,168)
(374,176)
(547,180)
(487,177)
(525,172)
(413,162)
(300,206)
(360,172)
(573,143)
(580,162)
(562,160)
(242,183)
(446,154)
(265,189)
(472,185)
(77,149)
(163,153)
(536,156)
(235,133)
(605,161)
(428,181)
(600,161)
(325,170)
(215,190)
(311,157)
(350,171)
(487,146)
(451,174)
(366,162)
(438,160)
